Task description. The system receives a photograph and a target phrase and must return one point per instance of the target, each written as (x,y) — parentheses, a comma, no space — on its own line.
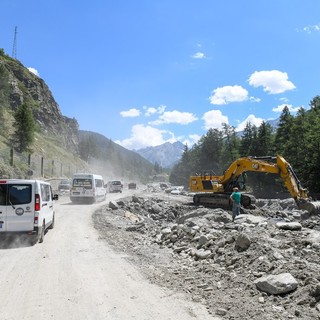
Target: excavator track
(222,200)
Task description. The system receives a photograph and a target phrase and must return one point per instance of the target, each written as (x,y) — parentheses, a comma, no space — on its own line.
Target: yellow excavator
(214,191)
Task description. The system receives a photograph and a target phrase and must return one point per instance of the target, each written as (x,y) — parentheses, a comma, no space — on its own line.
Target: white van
(26,207)
(114,186)
(87,187)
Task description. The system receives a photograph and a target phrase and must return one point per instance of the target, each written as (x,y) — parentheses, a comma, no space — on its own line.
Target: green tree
(284,132)
(24,125)
(312,146)
(210,152)
(315,103)
(231,144)
(265,140)
(181,172)
(247,139)
(254,148)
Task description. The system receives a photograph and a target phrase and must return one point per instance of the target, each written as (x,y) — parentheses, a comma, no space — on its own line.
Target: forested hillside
(112,160)
(297,139)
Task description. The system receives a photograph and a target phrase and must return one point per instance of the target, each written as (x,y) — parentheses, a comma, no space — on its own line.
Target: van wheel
(41,238)
(52,224)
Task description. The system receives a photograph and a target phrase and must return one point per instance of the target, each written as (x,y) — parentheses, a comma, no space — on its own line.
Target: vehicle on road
(114,186)
(87,187)
(64,185)
(132,186)
(26,207)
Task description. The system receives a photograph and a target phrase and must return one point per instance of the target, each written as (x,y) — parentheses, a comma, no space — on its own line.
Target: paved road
(73,275)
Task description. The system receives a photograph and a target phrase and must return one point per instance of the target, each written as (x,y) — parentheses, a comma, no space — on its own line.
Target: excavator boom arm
(274,165)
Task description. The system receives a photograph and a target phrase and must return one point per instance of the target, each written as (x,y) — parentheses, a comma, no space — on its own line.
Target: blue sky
(145,72)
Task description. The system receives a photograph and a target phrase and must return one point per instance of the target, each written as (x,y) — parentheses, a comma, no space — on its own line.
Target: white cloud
(133,112)
(175,117)
(284,100)
(312,28)
(191,140)
(253,99)
(281,106)
(250,119)
(145,136)
(34,71)
(199,55)
(152,110)
(273,81)
(227,94)
(214,119)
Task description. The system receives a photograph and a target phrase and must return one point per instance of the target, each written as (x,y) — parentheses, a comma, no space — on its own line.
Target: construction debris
(265,265)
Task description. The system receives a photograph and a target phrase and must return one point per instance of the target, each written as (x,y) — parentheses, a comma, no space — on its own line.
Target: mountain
(274,123)
(59,147)
(166,155)
(17,86)
(112,160)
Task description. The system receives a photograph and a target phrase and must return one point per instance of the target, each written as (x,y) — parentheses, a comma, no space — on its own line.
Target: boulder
(277,284)
(293,226)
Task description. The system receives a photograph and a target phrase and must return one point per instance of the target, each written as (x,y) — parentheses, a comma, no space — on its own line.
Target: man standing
(235,197)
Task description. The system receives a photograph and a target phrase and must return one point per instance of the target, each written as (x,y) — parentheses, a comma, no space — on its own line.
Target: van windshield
(116,182)
(82,182)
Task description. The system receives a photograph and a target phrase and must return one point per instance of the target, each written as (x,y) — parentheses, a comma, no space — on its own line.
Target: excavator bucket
(313,207)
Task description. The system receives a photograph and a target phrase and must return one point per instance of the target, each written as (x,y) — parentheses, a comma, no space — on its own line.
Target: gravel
(265,265)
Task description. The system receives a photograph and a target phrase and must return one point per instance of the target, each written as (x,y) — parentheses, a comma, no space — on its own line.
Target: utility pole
(14,48)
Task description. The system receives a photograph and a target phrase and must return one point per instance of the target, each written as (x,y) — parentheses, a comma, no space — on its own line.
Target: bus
(87,187)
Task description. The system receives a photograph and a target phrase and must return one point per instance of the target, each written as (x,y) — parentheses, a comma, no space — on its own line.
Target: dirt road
(74,275)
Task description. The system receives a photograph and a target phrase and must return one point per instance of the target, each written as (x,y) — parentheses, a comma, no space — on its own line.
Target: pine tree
(231,144)
(24,125)
(284,132)
(245,148)
(265,139)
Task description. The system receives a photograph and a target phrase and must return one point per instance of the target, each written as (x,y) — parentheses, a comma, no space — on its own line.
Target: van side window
(3,194)
(99,183)
(19,194)
(45,192)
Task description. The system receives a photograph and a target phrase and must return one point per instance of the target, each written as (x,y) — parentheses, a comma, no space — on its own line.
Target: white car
(114,186)
(26,207)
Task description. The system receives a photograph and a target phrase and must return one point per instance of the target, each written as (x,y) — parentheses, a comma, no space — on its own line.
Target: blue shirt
(236,197)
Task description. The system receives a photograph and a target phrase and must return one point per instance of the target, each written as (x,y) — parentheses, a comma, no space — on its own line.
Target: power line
(14,48)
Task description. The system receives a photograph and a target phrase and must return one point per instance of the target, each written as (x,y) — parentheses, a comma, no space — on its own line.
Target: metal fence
(37,166)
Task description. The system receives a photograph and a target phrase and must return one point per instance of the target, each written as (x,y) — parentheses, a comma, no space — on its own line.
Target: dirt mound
(265,265)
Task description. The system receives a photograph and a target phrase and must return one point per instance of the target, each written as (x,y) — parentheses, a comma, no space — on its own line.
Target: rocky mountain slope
(19,85)
(57,137)
(166,155)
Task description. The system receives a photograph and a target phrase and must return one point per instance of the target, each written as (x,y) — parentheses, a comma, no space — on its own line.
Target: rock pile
(265,265)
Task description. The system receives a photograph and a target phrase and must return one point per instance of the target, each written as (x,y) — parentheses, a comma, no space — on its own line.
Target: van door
(3,208)
(46,209)
(20,208)
(100,190)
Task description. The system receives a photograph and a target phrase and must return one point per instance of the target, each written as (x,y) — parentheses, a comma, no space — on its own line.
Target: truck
(214,190)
